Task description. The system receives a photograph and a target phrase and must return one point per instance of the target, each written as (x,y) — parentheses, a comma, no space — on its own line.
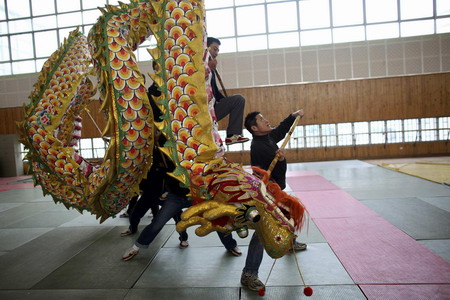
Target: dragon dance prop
(226,197)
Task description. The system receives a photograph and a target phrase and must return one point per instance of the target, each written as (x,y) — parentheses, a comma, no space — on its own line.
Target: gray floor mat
(99,266)
(418,219)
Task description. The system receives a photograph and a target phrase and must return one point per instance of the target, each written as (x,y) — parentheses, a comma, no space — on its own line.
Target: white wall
(374,59)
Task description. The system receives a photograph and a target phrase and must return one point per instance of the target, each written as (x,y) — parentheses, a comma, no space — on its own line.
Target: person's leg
(183,235)
(254,256)
(151,188)
(249,277)
(229,243)
(233,106)
(169,208)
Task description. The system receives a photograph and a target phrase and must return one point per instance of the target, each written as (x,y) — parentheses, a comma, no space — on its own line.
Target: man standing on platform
(226,105)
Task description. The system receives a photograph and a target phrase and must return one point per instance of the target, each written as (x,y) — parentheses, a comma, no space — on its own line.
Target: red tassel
(308,291)
(261,292)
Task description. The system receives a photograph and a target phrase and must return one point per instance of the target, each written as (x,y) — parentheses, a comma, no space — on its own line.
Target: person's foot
(252,282)
(298,247)
(184,244)
(130,253)
(235,139)
(235,251)
(127,232)
(124,215)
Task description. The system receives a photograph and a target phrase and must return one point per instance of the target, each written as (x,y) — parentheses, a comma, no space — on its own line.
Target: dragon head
(234,200)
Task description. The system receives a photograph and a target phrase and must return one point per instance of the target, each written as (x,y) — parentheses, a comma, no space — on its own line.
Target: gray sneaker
(252,282)
(298,247)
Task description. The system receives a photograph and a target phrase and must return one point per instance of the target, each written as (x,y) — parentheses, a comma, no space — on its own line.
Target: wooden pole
(286,140)
(221,82)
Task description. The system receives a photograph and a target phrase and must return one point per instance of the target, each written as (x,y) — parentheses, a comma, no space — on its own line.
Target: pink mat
(300,173)
(373,251)
(381,258)
(333,204)
(9,187)
(7,180)
(397,292)
(309,183)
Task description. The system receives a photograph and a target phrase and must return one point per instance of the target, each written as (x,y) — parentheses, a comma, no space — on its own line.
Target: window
(273,24)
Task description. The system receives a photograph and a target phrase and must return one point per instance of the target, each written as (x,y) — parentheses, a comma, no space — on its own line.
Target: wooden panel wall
(353,100)
(325,102)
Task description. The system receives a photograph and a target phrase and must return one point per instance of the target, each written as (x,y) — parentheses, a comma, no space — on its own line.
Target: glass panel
(381,11)
(444,122)
(22,46)
(2,11)
(312,130)
(40,63)
(46,43)
(443,25)
(314,14)
(394,137)
(377,126)
(94,3)
(98,153)
(315,37)
(4,48)
(362,139)
(328,129)
(98,143)
(5,69)
(344,128)
(428,123)
(414,9)
(215,22)
(19,26)
(347,12)
(3,27)
(345,140)
(328,141)
(283,40)
(444,135)
(377,138)
(86,29)
(348,34)
(91,16)
(361,127)
(394,125)
(18,8)
(86,153)
(411,136)
(217,3)
(245,2)
(442,7)
(282,16)
(43,7)
(70,19)
(429,135)
(22,67)
(417,28)
(228,45)
(85,143)
(255,24)
(64,5)
(313,142)
(382,31)
(64,33)
(44,23)
(257,42)
(411,124)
